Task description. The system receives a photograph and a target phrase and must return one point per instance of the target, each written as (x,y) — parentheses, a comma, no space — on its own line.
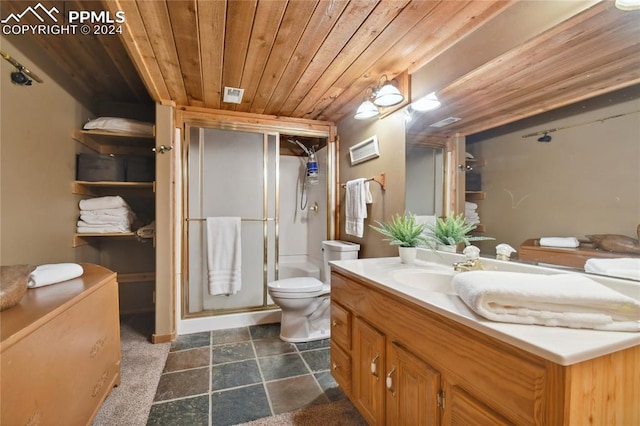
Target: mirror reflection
(560,177)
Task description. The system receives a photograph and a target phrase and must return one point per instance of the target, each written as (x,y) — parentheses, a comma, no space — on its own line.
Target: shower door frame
(188,123)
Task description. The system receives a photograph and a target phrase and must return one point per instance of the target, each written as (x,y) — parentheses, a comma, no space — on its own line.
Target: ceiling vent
(233,95)
(445,122)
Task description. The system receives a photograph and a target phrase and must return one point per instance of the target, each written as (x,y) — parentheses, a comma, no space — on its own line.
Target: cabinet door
(412,389)
(368,371)
(463,409)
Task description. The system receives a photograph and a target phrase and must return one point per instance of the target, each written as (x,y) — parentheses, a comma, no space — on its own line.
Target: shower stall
(244,174)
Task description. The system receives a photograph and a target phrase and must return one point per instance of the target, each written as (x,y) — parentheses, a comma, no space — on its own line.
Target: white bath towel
(224,255)
(105,220)
(109,202)
(102,229)
(356,196)
(117,212)
(624,267)
(560,242)
(53,273)
(562,300)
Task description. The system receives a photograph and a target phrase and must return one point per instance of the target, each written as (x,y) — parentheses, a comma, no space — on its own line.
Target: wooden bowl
(13,284)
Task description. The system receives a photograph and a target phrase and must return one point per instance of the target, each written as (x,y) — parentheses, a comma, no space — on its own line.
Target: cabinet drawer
(341,367)
(341,326)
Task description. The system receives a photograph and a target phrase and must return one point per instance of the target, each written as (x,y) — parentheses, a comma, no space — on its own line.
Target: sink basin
(425,279)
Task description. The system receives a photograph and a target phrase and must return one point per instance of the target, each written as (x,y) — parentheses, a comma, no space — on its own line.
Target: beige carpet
(340,413)
(140,369)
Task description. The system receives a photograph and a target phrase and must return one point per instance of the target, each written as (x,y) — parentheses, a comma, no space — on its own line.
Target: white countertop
(564,346)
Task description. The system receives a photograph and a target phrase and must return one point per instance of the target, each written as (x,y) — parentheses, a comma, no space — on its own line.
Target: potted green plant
(405,232)
(448,233)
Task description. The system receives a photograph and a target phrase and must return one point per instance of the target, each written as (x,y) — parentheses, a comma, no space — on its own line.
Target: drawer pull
(335,366)
(374,366)
(390,381)
(335,323)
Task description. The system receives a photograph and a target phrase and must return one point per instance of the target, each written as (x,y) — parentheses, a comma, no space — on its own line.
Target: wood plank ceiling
(316,58)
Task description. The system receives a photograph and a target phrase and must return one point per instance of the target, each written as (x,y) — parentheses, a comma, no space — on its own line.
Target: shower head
(304,148)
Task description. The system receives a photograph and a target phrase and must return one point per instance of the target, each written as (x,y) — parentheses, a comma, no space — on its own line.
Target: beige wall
(391,140)
(37,166)
(585,181)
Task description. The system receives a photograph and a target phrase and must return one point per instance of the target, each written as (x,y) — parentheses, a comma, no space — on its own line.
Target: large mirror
(571,173)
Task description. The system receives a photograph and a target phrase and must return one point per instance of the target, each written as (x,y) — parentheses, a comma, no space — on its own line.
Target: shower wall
(301,230)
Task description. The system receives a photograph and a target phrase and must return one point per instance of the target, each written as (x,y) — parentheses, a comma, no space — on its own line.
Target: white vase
(447,248)
(407,254)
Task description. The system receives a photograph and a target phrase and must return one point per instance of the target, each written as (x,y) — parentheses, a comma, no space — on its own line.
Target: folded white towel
(224,255)
(623,267)
(356,196)
(101,229)
(53,273)
(105,220)
(561,242)
(108,202)
(562,300)
(468,205)
(117,212)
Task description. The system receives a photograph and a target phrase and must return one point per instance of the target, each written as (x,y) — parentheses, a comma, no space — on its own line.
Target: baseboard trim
(163,338)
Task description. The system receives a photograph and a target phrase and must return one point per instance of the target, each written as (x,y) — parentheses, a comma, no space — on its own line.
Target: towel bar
(379,179)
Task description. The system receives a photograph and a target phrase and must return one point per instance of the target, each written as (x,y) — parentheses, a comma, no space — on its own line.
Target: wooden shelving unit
(473,196)
(140,298)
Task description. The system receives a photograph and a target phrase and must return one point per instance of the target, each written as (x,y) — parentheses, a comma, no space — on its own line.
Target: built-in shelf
(82,187)
(475,195)
(136,277)
(83,238)
(115,143)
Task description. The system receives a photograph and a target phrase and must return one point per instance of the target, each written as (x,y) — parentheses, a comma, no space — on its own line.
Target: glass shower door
(232,174)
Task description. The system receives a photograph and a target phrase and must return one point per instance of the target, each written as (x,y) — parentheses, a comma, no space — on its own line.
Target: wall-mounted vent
(233,95)
(445,122)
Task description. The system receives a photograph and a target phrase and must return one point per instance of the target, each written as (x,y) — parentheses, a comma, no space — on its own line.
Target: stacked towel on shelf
(471,216)
(624,267)
(562,300)
(105,215)
(146,232)
(357,196)
(560,242)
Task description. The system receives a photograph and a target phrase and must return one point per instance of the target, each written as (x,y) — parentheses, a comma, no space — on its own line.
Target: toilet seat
(296,285)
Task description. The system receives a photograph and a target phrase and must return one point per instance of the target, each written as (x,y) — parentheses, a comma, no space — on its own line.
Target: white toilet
(304,301)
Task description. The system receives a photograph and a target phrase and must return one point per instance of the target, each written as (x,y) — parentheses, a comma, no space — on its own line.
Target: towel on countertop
(357,196)
(623,267)
(53,273)
(224,255)
(562,300)
(109,202)
(560,242)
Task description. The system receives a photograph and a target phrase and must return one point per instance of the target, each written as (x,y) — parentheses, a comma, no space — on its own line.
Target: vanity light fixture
(426,103)
(628,4)
(366,110)
(387,94)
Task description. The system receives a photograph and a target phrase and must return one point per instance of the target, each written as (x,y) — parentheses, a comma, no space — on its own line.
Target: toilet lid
(296,285)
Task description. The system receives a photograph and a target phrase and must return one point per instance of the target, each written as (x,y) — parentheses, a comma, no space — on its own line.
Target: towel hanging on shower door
(224,255)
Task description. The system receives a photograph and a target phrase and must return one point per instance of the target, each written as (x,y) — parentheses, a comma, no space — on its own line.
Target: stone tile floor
(226,377)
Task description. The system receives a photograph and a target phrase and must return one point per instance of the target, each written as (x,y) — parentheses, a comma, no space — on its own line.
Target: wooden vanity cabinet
(410,365)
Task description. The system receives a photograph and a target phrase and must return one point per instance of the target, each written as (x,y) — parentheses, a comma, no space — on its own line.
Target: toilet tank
(337,250)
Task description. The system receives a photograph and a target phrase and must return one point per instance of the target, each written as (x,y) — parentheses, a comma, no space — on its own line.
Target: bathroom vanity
(406,350)
(60,351)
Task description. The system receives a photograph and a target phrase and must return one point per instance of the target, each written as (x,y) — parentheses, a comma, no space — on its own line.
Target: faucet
(472,263)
